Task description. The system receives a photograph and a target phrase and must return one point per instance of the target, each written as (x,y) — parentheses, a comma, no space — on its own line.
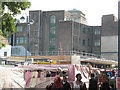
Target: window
(34,16)
(53,19)
(5,53)
(97,31)
(52,30)
(97,42)
(36,34)
(65,18)
(52,33)
(20,40)
(19,28)
(88,30)
(83,42)
(80,26)
(84,31)
(17,40)
(52,44)
(9,40)
(76,26)
(52,41)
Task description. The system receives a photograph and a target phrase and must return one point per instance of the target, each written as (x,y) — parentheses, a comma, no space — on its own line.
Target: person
(65,84)
(78,84)
(105,84)
(92,83)
(113,75)
(57,85)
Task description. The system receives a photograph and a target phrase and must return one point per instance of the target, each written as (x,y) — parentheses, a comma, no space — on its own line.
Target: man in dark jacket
(65,84)
(92,83)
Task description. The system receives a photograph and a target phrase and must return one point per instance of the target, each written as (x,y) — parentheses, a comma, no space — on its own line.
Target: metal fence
(64,53)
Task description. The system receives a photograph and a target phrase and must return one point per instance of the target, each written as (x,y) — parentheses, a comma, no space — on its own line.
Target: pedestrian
(111,87)
(65,83)
(78,84)
(105,84)
(92,83)
(57,85)
(113,75)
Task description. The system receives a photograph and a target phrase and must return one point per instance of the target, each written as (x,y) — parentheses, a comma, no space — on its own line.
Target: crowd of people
(105,81)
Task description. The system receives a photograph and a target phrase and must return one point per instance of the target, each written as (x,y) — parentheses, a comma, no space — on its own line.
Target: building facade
(56,30)
(109,37)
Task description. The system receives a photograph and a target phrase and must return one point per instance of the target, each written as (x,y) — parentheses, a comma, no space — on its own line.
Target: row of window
(19,40)
(96,31)
(96,43)
(52,33)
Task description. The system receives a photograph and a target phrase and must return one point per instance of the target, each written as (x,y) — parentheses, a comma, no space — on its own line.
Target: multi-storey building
(109,37)
(77,16)
(53,30)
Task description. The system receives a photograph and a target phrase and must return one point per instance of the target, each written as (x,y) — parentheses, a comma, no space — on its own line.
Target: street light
(119,39)
(31,21)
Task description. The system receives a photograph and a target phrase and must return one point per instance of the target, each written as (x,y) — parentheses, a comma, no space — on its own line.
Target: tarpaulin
(12,77)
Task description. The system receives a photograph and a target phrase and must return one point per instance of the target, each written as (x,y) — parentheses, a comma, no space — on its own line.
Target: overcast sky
(93,9)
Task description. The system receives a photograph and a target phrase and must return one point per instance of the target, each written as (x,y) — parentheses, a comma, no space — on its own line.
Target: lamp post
(31,21)
(118,39)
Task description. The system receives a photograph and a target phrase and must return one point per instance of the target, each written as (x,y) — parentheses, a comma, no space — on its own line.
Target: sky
(93,9)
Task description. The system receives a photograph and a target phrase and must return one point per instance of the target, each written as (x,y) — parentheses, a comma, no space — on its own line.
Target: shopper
(78,84)
(57,85)
(65,83)
(92,83)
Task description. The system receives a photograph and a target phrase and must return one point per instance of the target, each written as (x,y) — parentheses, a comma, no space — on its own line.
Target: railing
(82,55)
(65,53)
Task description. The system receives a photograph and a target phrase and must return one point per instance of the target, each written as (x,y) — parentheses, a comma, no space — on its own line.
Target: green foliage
(8,21)
(16,7)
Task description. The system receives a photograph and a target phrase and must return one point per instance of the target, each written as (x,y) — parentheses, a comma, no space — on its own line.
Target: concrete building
(55,30)
(77,16)
(109,37)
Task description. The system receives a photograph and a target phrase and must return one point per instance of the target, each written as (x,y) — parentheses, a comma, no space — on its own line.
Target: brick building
(54,29)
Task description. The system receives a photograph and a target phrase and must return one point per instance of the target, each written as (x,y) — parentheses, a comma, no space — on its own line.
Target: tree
(13,8)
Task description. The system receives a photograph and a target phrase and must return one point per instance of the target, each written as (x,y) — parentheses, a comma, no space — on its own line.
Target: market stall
(38,76)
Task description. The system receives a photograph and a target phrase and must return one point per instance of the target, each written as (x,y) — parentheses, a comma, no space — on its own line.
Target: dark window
(52,19)
(97,31)
(83,42)
(88,30)
(97,42)
(84,31)
(5,53)
(19,28)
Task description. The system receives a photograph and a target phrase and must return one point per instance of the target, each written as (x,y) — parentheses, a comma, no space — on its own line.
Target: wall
(109,37)
(109,47)
(6,49)
(75,59)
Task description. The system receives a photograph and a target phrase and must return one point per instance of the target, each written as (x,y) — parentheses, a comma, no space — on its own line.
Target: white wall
(109,47)
(6,49)
(75,59)
(109,44)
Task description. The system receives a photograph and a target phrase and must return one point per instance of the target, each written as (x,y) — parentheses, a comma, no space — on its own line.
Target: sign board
(118,82)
